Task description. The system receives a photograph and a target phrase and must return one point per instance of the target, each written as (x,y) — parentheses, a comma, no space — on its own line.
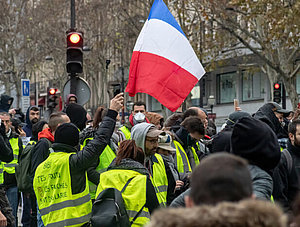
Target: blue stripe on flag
(160,11)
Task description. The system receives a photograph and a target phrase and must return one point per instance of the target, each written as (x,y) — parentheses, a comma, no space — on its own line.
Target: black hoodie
(266,114)
(255,141)
(4,102)
(28,127)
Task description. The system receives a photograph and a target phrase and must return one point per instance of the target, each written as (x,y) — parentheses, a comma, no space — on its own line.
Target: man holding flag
(163,64)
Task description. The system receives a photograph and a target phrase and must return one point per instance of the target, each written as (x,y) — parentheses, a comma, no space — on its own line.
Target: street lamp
(211,101)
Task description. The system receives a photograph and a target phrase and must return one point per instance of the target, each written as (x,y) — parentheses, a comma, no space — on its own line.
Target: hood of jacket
(250,213)
(266,114)
(68,98)
(46,133)
(61,147)
(255,141)
(77,115)
(129,164)
(4,102)
(139,132)
(27,120)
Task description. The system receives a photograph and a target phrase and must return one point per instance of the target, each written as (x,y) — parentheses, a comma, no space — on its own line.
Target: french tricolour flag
(163,64)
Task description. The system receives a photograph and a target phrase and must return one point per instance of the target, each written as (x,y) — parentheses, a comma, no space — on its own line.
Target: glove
(2,130)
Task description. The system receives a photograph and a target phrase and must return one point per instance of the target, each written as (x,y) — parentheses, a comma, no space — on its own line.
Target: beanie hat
(255,141)
(77,115)
(233,117)
(67,133)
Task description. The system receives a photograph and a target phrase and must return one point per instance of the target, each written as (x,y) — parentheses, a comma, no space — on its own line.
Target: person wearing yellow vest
(137,116)
(10,181)
(146,137)
(187,134)
(139,196)
(6,155)
(60,182)
(167,152)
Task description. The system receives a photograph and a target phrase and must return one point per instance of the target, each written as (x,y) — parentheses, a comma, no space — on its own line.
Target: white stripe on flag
(160,38)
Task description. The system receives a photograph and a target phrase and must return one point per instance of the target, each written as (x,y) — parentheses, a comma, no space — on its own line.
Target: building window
(154,104)
(298,83)
(196,95)
(227,87)
(253,85)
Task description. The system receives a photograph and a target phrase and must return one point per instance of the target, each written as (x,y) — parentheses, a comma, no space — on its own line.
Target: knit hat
(77,115)
(233,117)
(255,141)
(67,133)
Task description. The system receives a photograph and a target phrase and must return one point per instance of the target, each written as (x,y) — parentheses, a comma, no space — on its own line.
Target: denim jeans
(12,195)
(29,210)
(39,218)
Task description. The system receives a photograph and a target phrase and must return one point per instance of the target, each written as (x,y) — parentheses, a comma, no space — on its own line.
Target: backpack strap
(289,159)
(138,214)
(127,183)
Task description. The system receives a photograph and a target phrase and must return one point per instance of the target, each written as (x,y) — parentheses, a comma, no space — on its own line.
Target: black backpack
(109,209)
(23,169)
(23,174)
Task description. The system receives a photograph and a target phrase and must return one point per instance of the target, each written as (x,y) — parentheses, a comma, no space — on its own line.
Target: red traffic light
(276,86)
(52,91)
(74,38)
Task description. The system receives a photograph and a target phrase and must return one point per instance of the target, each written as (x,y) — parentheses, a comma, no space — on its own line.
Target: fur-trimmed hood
(247,213)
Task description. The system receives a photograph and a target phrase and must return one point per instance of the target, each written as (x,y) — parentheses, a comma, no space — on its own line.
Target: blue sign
(25,87)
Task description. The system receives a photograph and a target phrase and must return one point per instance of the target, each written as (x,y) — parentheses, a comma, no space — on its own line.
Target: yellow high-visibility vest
(10,167)
(134,195)
(52,186)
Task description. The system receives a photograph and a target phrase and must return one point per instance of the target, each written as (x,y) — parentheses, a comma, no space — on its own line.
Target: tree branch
(295,71)
(246,44)
(295,51)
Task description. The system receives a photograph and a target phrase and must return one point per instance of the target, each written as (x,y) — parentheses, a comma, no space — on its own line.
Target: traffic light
(51,101)
(277,92)
(74,52)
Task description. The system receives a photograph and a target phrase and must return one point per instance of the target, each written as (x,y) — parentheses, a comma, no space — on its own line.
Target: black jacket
(295,152)
(40,153)
(286,182)
(6,153)
(82,160)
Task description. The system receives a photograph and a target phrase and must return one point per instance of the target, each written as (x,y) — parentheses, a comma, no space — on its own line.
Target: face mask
(139,117)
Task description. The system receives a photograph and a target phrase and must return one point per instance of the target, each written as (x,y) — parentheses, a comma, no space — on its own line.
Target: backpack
(289,160)
(109,209)
(23,169)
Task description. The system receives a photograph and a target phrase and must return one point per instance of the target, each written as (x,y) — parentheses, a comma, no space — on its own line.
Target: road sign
(25,84)
(83,90)
(25,87)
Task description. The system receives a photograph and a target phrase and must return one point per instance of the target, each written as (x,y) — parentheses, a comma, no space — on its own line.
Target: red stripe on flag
(162,79)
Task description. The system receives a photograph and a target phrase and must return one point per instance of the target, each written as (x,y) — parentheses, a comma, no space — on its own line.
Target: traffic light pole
(73,84)
(73,24)
(283,97)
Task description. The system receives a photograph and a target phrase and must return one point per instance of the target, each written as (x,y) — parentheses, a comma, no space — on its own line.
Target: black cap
(235,116)
(67,133)
(279,109)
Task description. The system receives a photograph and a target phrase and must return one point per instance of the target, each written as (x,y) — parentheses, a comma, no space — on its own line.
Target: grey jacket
(262,184)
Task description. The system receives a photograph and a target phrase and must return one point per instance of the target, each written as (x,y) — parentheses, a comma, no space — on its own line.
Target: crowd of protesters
(177,171)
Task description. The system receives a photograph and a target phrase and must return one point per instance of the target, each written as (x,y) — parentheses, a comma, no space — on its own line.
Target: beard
(297,142)
(34,120)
